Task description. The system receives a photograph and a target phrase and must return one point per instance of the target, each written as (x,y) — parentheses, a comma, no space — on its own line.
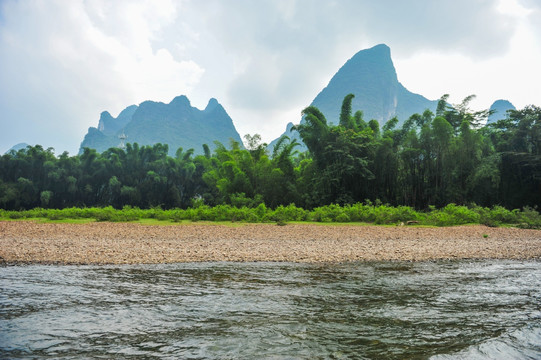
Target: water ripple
(444,310)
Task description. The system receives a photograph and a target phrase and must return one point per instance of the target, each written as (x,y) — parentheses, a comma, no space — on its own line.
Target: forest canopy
(430,160)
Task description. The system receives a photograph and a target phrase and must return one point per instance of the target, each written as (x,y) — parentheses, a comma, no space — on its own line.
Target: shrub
(327,213)
(530,218)
(203,212)
(240,200)
(154,213)
(361,212)
(191,214)
(453,215)
(88,213)
(162,215)
(501,215)
(261,212)
(177,215)
(15,214)
(439,218)
(354,212)
(219,213)
(105,214)
(342,218)
(367,212)
(53,214)
(288,213)
(406,213)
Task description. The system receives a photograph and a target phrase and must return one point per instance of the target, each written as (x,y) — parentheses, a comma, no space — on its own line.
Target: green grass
(188,222)
(358,214)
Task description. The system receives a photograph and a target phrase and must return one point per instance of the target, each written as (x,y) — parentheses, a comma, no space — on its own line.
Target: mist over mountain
(177,124)
(17,147)
(499,110)
(371,76)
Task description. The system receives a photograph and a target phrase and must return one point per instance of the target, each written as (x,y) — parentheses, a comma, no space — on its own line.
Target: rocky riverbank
(131,243)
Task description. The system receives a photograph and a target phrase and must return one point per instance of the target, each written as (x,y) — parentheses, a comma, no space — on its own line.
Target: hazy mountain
(500,108)
(369,75)
(17,147)
(177,124)
(109,125)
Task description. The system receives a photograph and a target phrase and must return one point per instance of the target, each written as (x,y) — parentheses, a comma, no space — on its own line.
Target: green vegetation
(420,171)
(359,213)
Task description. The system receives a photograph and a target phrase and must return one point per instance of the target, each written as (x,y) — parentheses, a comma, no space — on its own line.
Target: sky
(63,62)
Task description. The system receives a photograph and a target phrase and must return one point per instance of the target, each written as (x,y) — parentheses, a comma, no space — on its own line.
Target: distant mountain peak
(128,111)
(212,104)
(381,51)
(177,124)
(17,147)
(370,75)
(105,117)
(379,55)
(181,100)
(380,47)
(109,125)
(499,110)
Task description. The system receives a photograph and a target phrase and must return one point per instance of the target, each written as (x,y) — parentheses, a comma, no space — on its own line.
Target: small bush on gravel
(15,215)
(529,218)
(342,218)
(261,212)
(288,213)
(453,215)
(327,213)
(53,214)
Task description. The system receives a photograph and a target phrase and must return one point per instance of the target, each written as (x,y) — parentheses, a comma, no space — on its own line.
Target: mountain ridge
(498,110)
(371,76)
(177,124)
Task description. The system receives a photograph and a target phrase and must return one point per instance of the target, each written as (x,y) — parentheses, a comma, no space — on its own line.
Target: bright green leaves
(429,160)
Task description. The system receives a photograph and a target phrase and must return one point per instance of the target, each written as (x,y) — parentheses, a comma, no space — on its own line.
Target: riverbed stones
(132,243)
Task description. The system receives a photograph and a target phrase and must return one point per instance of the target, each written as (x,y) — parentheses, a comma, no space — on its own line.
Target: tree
(517,140)
(339,154)
(346,121)
(255,146)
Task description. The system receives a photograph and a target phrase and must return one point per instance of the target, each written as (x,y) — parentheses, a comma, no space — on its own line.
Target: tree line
(433,159)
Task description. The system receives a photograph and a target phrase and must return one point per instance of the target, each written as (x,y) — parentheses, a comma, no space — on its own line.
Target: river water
(377,310)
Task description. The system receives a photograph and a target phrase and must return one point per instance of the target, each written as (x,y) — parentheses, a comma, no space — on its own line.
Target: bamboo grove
(431,160)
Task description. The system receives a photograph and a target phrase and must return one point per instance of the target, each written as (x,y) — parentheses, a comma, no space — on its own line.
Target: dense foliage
(369,213)
(432,160)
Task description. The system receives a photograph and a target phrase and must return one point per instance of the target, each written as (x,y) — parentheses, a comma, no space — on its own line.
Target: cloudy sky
(63,62)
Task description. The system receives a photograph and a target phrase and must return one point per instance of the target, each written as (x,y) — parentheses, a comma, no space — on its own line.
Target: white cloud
(285,52)
(510,75)
(64,61)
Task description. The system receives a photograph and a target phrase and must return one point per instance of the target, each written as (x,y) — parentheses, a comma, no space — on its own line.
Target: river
(377,310)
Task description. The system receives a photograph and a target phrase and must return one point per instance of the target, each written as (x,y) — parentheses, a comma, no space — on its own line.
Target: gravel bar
(25,242)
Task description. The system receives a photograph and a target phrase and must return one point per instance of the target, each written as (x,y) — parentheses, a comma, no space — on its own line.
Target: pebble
(131,243)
